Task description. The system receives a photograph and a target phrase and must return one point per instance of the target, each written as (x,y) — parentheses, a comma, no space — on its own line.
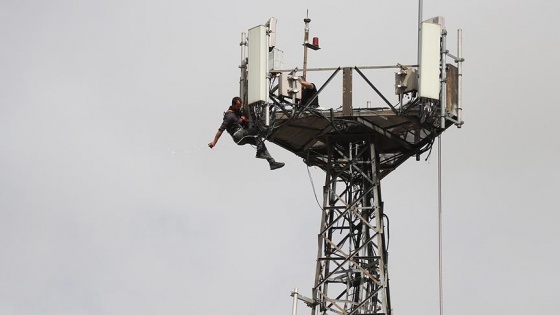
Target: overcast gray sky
(111,202)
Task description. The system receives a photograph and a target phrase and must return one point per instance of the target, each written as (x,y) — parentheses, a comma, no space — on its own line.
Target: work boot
(275,165)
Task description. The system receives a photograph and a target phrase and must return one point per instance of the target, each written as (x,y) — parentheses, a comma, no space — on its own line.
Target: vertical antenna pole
(305,41)
(295,300)
(243,45)
(460,77)
(443,71)
(243,67)
(440,231)
(420,9)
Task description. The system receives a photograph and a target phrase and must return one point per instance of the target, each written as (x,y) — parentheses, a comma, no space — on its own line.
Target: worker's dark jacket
(232,121)
(306,94)
(235,127)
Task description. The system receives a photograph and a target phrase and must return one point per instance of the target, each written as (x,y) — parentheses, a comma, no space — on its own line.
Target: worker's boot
(262,153)
(275,165)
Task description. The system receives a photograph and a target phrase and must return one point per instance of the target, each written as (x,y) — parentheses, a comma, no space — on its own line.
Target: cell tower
(356,147)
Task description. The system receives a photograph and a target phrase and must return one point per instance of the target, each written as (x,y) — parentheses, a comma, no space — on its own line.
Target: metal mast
(305,42)
(356,147)
(351,275)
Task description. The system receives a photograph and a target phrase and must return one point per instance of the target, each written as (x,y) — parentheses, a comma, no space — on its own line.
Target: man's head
(236,102)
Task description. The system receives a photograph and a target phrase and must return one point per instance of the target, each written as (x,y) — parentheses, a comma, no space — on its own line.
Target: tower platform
(396,135)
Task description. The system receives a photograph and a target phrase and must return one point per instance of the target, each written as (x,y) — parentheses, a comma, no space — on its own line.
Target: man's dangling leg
(251,136)
(262,153)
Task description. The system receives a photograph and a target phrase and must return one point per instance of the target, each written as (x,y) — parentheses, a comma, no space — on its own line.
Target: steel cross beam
(351,273)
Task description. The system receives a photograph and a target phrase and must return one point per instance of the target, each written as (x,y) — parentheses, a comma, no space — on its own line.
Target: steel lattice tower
(351,274)
(356,147)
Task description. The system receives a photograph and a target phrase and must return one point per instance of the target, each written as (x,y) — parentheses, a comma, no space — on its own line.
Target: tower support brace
(351,273)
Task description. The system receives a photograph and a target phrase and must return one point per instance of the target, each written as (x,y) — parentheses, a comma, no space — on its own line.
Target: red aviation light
(316,41)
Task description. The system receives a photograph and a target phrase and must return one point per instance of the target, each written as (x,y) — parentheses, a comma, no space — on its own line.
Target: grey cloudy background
(111,203)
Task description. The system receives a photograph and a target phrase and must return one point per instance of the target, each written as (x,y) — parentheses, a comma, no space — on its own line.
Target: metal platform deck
(397,136)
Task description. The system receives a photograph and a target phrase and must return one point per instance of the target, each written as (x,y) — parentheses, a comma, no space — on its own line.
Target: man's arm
(216,137)
(305,84)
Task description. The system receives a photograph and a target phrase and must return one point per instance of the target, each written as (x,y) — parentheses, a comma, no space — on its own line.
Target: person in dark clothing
(308,90)
(237,126)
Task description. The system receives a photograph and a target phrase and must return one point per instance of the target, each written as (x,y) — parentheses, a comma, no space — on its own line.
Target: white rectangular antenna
(257,65)
(429,67)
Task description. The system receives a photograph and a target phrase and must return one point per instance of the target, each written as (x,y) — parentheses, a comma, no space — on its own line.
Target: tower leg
(351,273)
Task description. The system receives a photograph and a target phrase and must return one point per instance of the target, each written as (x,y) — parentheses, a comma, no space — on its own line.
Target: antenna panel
(429,67)
(452,96)
(257,65)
